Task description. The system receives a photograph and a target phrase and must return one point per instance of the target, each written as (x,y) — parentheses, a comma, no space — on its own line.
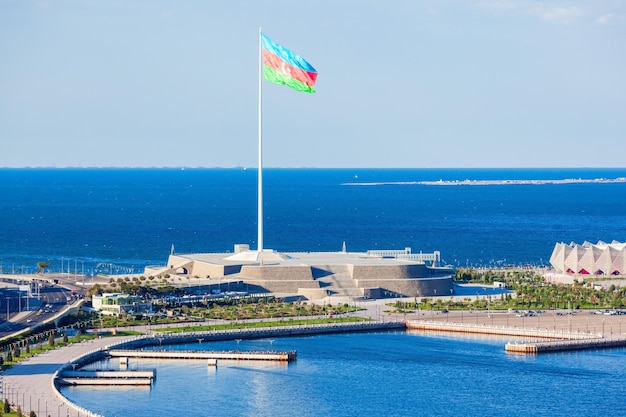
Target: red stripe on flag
(273,61)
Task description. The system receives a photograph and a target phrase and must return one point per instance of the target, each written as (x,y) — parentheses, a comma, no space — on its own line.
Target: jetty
(438,326)
(554,340)
(288,356)
(109,377)
(533,348)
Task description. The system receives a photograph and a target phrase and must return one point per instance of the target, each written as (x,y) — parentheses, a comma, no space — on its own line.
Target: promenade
(29,383)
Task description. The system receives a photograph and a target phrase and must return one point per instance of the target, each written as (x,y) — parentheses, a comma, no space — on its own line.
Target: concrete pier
(559,340)
(438,326)
(288,356)
(534,348)
(144,377)
(106,378)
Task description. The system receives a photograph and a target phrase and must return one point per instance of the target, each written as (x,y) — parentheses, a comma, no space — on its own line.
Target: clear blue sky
(403,83)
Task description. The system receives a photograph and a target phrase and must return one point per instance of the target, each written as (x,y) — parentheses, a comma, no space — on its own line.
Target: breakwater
(557,340)
(164,338)
(438,326)
(564,345)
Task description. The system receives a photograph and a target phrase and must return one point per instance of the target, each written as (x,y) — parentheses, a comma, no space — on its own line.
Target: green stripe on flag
(277,77)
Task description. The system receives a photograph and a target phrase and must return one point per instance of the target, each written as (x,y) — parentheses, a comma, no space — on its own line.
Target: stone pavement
(29,383)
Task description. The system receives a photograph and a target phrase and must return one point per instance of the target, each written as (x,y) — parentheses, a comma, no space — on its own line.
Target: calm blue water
(383,374)
(131,217)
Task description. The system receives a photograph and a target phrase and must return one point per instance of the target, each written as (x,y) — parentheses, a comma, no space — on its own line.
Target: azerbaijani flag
(281,66)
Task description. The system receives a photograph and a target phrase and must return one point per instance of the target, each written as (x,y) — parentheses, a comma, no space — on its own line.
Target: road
(54,291)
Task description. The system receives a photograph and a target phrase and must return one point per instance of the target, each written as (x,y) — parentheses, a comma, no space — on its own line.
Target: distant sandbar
(496,182)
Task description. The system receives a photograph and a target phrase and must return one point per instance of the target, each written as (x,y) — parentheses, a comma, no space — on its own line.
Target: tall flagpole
(260,161)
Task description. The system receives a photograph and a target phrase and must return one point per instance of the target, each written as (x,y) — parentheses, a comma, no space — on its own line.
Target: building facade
(600,259)
(116,304)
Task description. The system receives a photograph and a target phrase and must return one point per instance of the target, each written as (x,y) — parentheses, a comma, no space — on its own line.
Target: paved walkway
(29,383)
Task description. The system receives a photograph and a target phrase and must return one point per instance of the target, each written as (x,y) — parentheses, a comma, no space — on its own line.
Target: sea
(120,220)
(90,221)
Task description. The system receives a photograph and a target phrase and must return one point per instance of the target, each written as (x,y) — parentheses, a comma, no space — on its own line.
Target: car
(29,321)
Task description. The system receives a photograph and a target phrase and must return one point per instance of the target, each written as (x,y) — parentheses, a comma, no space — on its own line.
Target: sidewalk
(29,383)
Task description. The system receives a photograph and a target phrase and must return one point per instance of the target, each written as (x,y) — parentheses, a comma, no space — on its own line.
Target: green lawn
(260,324)
(12,413)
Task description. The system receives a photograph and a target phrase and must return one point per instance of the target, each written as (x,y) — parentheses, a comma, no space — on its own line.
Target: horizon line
(245,168)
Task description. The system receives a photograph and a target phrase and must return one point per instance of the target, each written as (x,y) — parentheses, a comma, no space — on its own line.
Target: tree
(51,339)
(7,407)
(32,414)
(95,289)
(41,266)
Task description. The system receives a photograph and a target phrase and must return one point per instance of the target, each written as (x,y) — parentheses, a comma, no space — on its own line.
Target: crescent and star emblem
(284,69)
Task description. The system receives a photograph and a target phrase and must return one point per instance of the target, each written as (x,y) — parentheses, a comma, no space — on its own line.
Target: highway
(28,312)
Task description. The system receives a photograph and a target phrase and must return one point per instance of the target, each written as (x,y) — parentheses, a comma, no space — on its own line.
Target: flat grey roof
(298,258)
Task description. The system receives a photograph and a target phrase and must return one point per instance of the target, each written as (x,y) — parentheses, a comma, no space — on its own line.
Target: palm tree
(41,266)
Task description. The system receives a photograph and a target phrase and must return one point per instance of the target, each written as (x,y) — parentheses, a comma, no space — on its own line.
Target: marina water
(119,220)
(380,374)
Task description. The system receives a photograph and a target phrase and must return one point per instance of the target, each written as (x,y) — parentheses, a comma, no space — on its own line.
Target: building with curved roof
(315,275)
(590,259)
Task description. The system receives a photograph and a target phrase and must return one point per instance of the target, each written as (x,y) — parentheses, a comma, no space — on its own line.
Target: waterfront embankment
(33,384)
(543,340)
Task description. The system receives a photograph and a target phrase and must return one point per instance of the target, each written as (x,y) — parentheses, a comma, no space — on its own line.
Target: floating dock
(144,377)
(288,356)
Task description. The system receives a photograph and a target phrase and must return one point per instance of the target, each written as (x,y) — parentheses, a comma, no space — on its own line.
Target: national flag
(281,66)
